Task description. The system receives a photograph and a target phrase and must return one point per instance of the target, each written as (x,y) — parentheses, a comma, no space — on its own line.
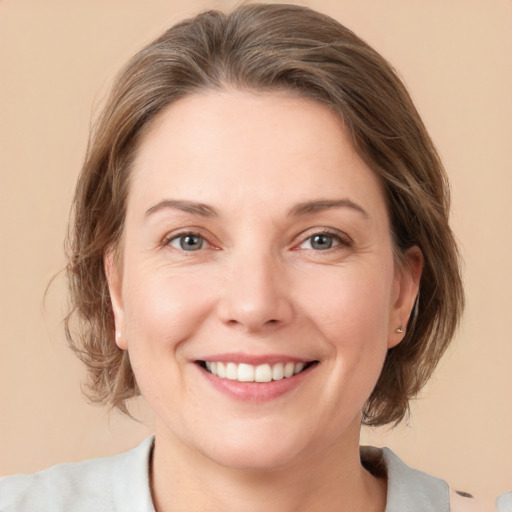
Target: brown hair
(270,47)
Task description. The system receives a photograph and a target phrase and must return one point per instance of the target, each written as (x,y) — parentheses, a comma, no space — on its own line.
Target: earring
(118,335)
(399,330)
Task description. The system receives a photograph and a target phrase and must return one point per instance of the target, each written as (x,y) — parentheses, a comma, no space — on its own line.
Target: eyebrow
(324,204)
(305,208)
(186,206)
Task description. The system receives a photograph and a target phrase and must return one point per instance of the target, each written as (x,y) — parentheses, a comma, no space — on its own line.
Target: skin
(258,285)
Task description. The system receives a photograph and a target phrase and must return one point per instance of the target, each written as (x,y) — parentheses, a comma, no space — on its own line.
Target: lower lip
(256,391)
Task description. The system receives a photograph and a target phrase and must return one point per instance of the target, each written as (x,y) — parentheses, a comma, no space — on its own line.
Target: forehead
(269,148)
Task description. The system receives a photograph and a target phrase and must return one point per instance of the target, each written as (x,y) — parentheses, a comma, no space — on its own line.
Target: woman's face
(257,246)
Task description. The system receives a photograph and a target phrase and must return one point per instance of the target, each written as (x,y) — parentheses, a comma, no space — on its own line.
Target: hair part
(274,47)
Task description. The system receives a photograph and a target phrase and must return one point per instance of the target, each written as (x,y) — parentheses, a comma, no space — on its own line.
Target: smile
(243,372)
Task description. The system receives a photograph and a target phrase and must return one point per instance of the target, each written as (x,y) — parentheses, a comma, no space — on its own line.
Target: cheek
(164,308)
(351,311)
(163,312)
(352,306)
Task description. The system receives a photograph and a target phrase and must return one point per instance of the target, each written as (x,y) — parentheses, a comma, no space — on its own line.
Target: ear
(114,280)
(406,288)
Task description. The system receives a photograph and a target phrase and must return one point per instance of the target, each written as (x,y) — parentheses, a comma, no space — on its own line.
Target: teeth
(263,373)
(221,370)
(231,371)
(298,368)
(245,373)
(278,371)
(248,373)
(288,369)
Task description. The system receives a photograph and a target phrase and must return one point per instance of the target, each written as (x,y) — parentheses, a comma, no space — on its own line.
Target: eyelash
(341,240)
(176,237)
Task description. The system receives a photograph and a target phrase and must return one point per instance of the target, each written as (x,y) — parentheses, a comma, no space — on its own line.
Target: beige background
(56,60)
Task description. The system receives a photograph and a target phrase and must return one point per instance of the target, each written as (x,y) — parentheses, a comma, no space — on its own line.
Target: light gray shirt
(121,484)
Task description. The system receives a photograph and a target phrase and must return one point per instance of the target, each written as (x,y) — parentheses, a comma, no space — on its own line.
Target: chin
(259,447)
(255,458)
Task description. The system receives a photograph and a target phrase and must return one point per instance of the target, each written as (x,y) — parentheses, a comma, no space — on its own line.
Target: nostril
(254,312)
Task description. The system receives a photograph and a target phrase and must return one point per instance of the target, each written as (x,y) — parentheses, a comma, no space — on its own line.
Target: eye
(323,241)
(187,242)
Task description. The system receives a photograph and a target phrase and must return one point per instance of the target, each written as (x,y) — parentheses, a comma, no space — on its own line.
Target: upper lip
(253,359)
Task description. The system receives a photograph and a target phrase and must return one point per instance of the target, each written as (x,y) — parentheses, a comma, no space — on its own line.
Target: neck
(332,481)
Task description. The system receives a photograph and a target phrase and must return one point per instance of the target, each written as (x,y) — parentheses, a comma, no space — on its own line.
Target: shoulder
(71,487)
(504,502)
(411,489)
(102,485)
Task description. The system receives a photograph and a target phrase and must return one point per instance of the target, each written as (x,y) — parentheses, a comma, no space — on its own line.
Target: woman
(260,247)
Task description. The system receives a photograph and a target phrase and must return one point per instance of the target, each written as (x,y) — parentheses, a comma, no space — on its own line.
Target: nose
(256,295)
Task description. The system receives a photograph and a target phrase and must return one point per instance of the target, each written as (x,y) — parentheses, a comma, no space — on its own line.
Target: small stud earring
(399,330)
(118,334)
